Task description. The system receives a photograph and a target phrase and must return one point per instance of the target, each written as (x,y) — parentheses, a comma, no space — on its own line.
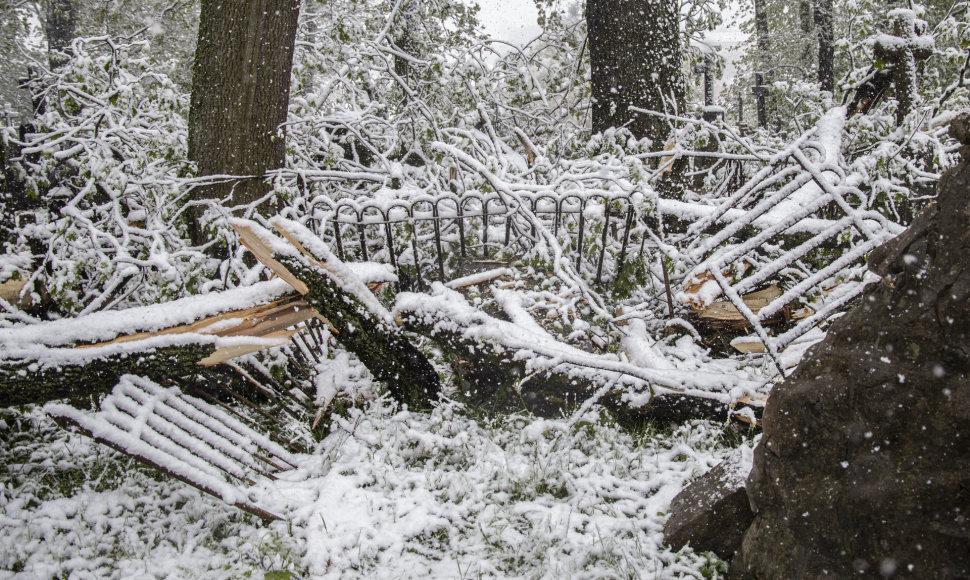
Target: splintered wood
(264,254)
(253,242)
(10,291)
(276,321)
(748,345)
(723,314)
(269,321)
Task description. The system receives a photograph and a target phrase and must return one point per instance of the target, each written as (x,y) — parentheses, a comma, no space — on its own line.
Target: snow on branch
(446,311)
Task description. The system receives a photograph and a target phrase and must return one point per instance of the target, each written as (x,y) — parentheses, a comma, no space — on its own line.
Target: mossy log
(490,379)
(28,381)
(384,350)
(356,318)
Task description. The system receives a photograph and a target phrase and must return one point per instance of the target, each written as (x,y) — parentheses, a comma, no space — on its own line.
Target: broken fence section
(183,437)
(433,234)
(804,222)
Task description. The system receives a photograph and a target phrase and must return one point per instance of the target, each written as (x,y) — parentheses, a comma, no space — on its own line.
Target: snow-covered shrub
(107,157)
(901,164)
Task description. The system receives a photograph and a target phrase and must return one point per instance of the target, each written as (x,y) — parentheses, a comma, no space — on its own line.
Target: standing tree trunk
(901,53)
(60,29)
(635,56)
(806,21)
(826,45)
(805,16)
(764,48)
(240,93)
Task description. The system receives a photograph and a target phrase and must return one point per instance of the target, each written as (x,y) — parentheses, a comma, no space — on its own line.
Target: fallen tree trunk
(489,360)
(57,360)
(27,381)
(357,319)
(490,378)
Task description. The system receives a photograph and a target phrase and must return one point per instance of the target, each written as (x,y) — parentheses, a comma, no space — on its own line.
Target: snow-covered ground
(389,494)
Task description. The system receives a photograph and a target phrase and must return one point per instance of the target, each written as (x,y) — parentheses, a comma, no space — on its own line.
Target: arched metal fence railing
(433,235)
(798,218)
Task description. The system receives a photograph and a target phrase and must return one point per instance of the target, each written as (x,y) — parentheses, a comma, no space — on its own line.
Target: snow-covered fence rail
(183,437)
(429,232)
(806,223)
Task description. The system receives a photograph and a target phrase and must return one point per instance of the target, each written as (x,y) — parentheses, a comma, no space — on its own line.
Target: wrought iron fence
(797,217)
(426,233)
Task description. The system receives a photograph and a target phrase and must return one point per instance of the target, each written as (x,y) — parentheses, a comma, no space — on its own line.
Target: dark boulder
(864,465)
(712,513)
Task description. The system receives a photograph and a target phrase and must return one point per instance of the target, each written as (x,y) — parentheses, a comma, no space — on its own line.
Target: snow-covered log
(83,357)
(357,318)
(72,374)
(519,353)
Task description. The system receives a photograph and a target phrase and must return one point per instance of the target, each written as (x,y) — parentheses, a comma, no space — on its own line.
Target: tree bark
(387,354)
(635,56)
(407,24)
(764,48)
(826,45)
(26,382)
(806,21)
(60,29)
(805,16)
(240,93)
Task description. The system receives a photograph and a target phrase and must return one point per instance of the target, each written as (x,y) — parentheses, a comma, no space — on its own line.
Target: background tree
(61,28)
(240,93)
(826,45)
(408,19)
(763,70)
(20,30)
(170,26)
(636,60)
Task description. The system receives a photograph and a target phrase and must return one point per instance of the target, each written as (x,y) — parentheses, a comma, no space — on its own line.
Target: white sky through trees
(510,20)
(515,21)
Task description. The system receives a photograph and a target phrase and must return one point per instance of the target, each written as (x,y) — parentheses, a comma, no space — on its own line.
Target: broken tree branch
(24,381)
(463,330)
(359,321)
(45,362)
